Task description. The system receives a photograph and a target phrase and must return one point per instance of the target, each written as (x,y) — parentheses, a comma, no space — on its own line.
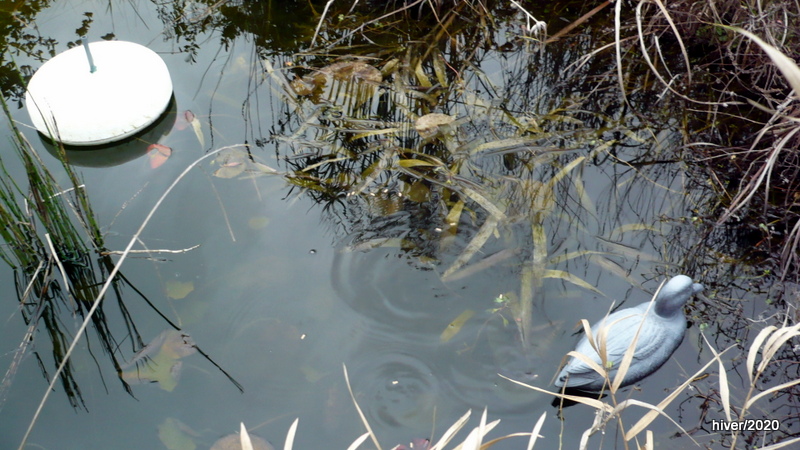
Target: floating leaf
(416,163)
(303,86)
(158,154)
(159,361)
(184,120)
(454,215)
(349,70)
(263,168)
(485,203)
(439,69)
(423,79)
(417,192)
(178,289)
(428,125)
(172,433)
(237,161)
(258,222)
(230,170)
(455,326)
(198,130)
(311,374)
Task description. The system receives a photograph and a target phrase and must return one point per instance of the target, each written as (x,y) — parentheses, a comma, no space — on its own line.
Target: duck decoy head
(675,294)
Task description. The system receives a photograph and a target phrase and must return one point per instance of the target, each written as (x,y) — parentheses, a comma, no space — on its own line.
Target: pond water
(291,283)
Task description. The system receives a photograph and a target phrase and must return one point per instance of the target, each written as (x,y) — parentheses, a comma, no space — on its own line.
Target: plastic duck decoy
(661,334)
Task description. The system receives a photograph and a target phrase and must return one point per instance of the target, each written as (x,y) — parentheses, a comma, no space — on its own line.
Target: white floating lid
(128,91)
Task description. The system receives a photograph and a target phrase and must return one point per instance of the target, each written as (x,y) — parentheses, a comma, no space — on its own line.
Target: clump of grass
(744,125)
(767,343)
(475,439)
(54,244)
(93,311)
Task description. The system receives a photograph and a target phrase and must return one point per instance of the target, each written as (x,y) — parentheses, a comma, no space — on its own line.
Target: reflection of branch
(19,354)
(364,25)
(319,24)
(208,358)
(576,23)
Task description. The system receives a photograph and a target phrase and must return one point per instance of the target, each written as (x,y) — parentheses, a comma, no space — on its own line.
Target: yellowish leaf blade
(455,326)
(785,64)
(566,276)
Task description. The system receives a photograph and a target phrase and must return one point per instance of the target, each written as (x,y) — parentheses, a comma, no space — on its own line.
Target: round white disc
(128,91)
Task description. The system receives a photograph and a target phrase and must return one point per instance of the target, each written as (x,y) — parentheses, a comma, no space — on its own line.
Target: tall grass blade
(677,35)
(648,418)
(632,402)
(244,437)
(627,358)
(752,354)
(290,435)
(451,432)
(724,387)
(775,342)
(594,403)
(358,441)
(769,391)
(785,64)
(358,408)
(535,432)
(473,440)
(783,444)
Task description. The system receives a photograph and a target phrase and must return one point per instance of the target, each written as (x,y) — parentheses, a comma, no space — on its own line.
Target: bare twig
(119,252)
(319,24)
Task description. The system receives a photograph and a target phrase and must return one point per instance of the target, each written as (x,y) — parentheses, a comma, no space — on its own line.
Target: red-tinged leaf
(184,120)
(163,149)
(158,154)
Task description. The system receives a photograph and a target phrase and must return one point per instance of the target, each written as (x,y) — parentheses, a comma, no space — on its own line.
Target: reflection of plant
(93,312)
(19,36)
(371,136)
(510,147)
(56,268)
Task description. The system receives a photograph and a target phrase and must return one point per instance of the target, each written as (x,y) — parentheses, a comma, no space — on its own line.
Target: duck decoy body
(661,334)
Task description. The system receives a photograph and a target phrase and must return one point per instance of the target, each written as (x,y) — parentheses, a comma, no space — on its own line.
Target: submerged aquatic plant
(392,156)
